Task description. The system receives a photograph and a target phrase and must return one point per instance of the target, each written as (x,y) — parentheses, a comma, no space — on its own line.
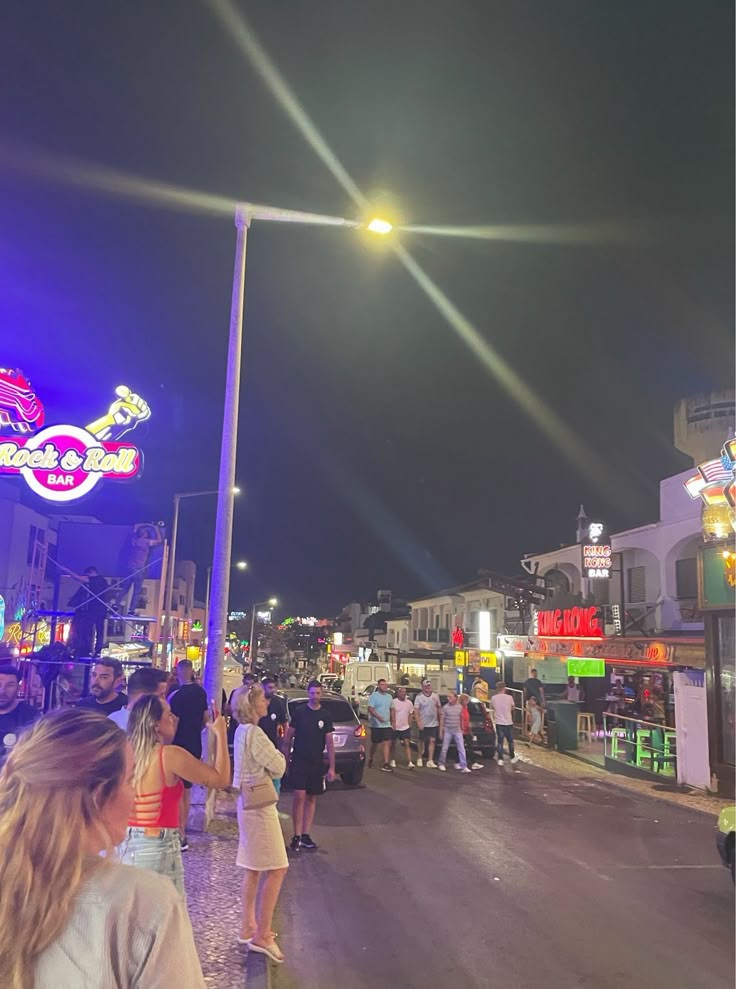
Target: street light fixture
(379,226)
(272,602)
(245,213)
(171,564)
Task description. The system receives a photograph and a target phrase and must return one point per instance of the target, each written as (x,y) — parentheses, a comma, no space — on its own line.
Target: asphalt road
(512,877)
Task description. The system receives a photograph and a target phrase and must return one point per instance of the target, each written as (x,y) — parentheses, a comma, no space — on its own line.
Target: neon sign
(715,481)
(597,553)
(63,463)
(20,409)
(572,622)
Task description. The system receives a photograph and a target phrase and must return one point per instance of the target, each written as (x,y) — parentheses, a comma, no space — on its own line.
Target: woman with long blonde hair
(261,849)
(69,917)
(152,838)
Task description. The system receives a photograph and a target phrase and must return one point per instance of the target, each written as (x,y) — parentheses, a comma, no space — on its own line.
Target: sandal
(272,950)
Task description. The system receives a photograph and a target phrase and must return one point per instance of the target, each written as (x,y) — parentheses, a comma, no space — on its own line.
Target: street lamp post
(240,565)
(272,602)
(171,565)
(220,586)
(217,617)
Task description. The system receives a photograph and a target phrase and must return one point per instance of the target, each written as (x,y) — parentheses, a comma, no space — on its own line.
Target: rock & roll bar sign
(62,463)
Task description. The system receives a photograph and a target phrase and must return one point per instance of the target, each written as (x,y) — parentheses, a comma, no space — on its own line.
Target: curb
(698,802)
(257,971)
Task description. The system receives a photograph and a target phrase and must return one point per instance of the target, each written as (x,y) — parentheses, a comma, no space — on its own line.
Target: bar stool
(586,724)
(617,735)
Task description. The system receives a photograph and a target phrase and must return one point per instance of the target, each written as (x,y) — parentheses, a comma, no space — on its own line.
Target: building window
(637,581)
(686,578)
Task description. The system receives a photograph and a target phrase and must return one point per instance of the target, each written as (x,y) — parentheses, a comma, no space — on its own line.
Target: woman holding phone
(153,840)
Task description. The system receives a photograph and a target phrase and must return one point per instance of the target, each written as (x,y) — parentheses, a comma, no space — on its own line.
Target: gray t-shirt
(426,708)
(129,929)
(452,714)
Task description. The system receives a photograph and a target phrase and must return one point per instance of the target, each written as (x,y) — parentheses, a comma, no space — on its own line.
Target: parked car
(725,838)
(349,734)
(482,732)
(364,698)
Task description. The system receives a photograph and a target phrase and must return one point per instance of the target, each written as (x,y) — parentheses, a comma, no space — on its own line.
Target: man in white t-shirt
(503,714)
(402,711)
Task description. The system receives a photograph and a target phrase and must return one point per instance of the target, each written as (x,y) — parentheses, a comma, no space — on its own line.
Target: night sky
(376,449)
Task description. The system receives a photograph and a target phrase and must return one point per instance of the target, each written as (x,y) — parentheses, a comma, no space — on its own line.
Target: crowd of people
(87,792)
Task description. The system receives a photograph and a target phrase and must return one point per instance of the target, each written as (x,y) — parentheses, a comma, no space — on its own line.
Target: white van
(361,673)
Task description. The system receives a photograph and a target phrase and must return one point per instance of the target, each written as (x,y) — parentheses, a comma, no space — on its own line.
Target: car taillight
(281,731)
(359,731)
(487,721)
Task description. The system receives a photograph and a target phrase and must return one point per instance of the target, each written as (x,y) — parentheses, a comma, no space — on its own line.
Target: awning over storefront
(688,652)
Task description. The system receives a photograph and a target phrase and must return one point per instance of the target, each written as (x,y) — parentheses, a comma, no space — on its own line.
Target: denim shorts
(157,849)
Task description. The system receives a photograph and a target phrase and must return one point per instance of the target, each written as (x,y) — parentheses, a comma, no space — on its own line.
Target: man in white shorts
(402,711)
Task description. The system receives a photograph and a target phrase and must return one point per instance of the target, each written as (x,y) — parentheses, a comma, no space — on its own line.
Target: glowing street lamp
(272,602)
(379,226)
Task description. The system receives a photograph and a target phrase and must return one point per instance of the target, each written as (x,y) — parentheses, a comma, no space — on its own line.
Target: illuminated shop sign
(586,667)
(63,463)
(715,482)
(571,622)
(597,554)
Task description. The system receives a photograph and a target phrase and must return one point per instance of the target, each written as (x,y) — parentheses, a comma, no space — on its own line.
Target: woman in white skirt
(262,851)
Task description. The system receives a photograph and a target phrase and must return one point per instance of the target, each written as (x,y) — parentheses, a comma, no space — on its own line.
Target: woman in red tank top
(152,840)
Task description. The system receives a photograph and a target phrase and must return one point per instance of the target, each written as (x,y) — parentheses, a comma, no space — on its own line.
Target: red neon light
(580,623)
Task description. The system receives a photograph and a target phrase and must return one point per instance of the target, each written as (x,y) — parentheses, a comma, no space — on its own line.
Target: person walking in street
(310,730)
(503,706)
(152,838)
(248,680)
(261,851)
(70,916)
(402,712)
(107,675)
(466,729)
(451,731)
(189,704)
(428,712)
(144,681)
(379,721)
(15,715)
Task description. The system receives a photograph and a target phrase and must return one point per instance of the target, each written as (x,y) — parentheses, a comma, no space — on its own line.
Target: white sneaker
(466,770)
(442,769)
(516,759)
(392,764)
(458,766)
(499,760)
(477,765)
(431,764)
(410,765)
(420,763)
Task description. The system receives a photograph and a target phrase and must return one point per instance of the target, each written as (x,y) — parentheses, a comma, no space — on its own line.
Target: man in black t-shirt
(276,716)
(189,703)
(107,674)
(310,730)
(15,715)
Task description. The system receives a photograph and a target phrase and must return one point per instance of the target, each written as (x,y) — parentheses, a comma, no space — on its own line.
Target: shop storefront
(627,714)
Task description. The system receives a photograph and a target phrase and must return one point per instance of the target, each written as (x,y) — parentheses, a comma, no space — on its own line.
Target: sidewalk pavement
(213,884)
(576,768)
